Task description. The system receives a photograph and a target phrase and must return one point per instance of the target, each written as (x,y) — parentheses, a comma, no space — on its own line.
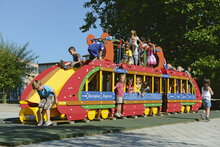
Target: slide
(53,77)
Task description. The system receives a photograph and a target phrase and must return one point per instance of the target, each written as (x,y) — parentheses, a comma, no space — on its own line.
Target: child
(119,95)
(133,39)
(130,86)
(206,99)
(127,54)
(138,85)
(76,59)
(96,48)
(142,47)
(145,88)
(47,96)
(151,60)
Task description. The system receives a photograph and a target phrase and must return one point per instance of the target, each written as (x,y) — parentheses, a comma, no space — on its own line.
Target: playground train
(88,93)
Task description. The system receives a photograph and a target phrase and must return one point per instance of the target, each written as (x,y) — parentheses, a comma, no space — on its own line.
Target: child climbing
(96,49)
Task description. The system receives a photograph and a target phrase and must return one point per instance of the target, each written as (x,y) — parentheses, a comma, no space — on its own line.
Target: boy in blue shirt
(47,96)
(95,49)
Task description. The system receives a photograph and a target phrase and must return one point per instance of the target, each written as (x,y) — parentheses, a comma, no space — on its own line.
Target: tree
(188,31)
(13,65)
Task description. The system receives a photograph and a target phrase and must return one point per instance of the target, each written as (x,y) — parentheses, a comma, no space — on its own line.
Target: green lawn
(17,134)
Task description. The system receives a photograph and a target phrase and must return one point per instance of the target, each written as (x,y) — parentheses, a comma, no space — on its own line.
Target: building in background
(44,66)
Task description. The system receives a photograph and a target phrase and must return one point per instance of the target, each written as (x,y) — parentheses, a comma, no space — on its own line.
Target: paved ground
(182,134)
(187,134)
(9,110)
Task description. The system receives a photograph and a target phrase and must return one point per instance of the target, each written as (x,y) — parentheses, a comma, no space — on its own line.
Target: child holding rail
(119,95)
(47,97)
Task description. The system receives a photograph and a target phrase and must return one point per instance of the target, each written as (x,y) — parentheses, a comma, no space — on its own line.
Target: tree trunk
(4,98)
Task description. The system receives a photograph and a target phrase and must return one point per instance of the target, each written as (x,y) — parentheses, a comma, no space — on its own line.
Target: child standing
(145,88)
(133,40)
(138,85)
(130,86)
(206,99)
(119,95)
(151,60)
(76,59)
(47,96)
(127,54)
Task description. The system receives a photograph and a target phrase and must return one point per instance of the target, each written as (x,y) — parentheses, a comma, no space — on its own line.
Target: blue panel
(172,96)
(165,76)
(180,96)
(118,70)
(95,96)
(147,96)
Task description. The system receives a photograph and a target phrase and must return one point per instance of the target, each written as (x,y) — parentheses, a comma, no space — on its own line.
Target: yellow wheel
(188,109)
(154,110)
(146,111)
(183,109)
(91,114)
(104,113)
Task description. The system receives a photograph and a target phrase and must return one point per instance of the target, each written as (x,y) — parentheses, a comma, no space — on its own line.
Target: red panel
(133,109)
(173,107)
(196,106)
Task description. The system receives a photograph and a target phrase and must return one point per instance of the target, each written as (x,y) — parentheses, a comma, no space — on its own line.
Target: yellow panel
(161,85)
(56,82)
(181,86)
(152,84)
(100,80)
(113,81)
(168,85)
(174,85)
(135,90)
(186,87)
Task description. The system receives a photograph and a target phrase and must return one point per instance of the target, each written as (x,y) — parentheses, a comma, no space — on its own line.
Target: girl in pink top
(119,95)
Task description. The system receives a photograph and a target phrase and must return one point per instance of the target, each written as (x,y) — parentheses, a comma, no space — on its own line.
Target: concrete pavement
(205,134)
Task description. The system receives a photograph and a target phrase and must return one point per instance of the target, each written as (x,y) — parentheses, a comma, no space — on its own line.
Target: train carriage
(88,92)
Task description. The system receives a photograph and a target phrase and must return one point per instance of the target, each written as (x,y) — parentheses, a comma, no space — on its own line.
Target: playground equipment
(88,93)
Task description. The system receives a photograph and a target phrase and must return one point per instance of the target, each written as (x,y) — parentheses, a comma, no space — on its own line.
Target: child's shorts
(119,100)
(206,103)
(46,103)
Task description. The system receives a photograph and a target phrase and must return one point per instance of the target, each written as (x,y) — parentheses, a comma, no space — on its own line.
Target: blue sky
(50,26)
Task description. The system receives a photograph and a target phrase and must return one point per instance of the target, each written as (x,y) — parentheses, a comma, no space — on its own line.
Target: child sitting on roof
(76,59)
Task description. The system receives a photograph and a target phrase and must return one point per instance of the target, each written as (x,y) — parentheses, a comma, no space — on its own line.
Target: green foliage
(188,31)
(13,64)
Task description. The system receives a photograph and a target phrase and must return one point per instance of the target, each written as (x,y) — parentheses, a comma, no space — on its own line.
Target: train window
(106,81)
(177,86)
(93,82)
(156,84)
(149,80)
(129,82)
(183,86)
(171,85)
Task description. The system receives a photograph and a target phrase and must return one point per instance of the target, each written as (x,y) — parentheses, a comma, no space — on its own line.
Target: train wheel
(91,114)
(146,111)
(104,113)
(188,109)
(154,110)
(183,109)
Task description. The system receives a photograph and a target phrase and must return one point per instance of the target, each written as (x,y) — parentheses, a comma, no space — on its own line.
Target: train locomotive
(87,92)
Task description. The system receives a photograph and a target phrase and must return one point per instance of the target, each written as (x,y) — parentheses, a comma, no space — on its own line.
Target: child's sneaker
(47,123)
(207,119)
(61,64)
(117,115)
(203,115)
(40,123)
(121,115)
